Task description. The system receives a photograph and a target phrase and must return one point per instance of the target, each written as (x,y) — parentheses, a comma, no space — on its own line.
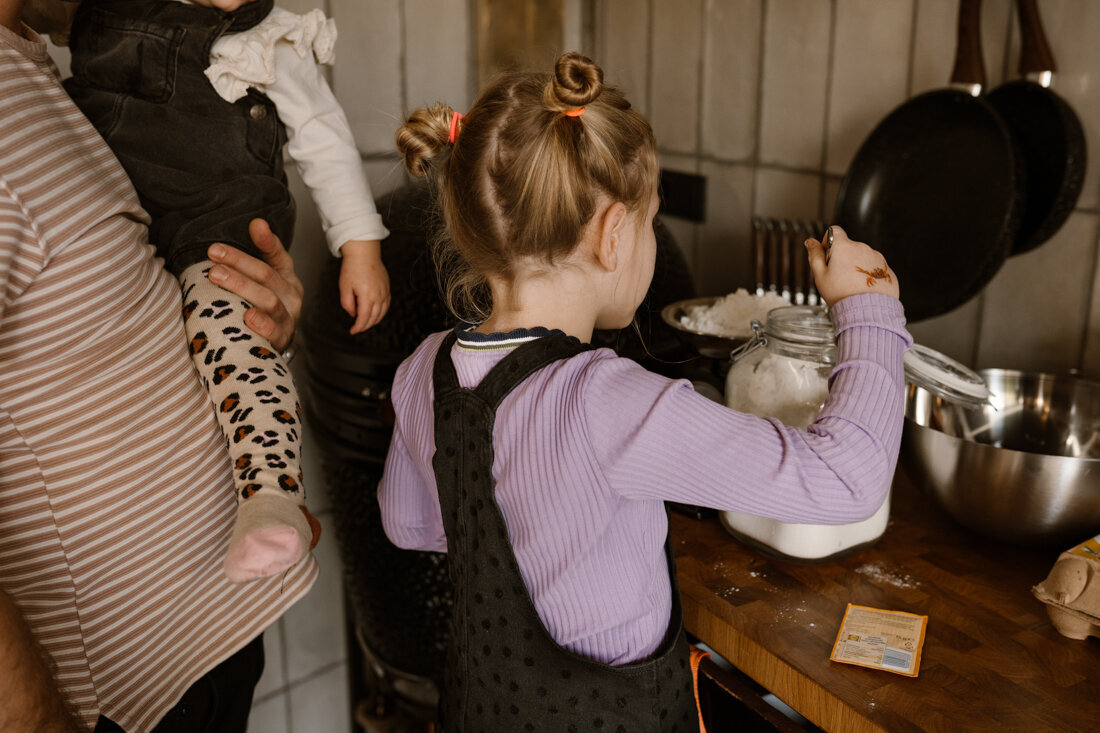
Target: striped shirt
(587,449)
(116,494)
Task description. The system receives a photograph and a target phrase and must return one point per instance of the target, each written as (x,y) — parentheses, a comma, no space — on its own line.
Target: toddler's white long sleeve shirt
(282,57)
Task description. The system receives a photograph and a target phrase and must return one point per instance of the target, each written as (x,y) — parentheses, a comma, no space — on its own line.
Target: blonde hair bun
(530,164)
(424,137)
(577,81)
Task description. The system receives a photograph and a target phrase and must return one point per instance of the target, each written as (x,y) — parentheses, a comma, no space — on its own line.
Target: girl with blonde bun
(541,464)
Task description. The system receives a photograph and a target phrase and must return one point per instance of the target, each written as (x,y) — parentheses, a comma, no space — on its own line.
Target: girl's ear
(611,223)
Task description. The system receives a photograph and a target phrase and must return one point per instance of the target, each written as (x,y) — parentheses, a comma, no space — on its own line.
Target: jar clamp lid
(800,326)
(944,377)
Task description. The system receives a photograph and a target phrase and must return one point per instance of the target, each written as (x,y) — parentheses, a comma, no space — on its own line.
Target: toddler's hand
(849,268)
(364,283)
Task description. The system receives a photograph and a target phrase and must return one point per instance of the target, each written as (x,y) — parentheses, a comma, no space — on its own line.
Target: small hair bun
(577,80)
(424,137)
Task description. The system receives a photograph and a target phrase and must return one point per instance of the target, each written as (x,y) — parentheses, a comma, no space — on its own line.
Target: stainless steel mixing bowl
(1024,469)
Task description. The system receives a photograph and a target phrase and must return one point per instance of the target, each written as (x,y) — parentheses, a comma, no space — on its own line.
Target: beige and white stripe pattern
(116,496)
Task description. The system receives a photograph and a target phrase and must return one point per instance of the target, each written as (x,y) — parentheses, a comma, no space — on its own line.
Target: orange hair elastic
(455,117)
(574,112)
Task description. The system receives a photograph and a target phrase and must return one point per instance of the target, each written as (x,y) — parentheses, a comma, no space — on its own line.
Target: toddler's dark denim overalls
(504,672)
(203,167)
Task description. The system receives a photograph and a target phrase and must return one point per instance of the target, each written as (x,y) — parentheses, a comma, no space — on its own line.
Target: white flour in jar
(731,315)
(791,390)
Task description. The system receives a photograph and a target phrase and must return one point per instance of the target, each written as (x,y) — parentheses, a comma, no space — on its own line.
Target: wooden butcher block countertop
(991,661)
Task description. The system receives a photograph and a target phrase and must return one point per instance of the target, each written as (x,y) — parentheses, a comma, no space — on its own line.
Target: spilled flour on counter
(786,612)
(879,573)
(729,591)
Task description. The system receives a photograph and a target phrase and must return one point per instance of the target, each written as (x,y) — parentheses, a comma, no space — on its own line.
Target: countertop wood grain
(991,659)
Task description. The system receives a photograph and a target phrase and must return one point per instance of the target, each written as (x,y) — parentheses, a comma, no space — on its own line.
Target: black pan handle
(969,68)
(1035,55)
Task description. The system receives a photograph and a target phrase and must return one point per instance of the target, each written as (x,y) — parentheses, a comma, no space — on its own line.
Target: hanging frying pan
(935,187)
(1048,134)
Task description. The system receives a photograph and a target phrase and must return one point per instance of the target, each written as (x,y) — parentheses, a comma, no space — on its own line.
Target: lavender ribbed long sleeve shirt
(589,448)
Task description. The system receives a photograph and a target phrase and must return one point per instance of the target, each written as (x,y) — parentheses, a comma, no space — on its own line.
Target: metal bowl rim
(1017,373)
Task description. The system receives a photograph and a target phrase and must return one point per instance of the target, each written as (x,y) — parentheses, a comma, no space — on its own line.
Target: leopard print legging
(250,387)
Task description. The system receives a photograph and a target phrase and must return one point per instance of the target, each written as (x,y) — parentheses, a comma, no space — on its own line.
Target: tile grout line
(700,92)
(1083,349)
(285,689)
(761,58)
(911,71)
(288,710)
(830,61)
(650,11)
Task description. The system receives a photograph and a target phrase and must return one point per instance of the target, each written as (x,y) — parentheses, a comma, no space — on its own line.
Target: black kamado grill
(400,600)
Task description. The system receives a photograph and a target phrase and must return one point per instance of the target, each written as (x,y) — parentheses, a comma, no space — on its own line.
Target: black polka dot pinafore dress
(504,672)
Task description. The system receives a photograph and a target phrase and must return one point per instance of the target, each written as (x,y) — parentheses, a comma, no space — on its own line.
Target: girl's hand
(364,283)
(272,288)
(849,268)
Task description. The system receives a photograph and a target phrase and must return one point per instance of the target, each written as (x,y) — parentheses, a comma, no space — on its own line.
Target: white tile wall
(869,76)
(731,79)
(438,62)
(316,703)
(721,250)
(685,233)
(271,715)
(934,42)
(1071,27)
(677,31)
(790,88)
(1090,360)
(795,81)
(1039,301)
(314,627)
(274,676)
(623,31)
(784,193)
(368,75)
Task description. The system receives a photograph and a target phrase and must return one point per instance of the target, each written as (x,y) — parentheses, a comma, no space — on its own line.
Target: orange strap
(697,656)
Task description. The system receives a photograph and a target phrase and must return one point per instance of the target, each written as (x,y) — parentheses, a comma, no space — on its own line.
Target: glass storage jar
(783,370)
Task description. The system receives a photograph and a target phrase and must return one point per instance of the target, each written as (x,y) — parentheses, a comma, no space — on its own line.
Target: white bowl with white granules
(714,326)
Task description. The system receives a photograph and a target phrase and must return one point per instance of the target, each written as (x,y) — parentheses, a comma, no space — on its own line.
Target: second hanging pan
(1048,133)
(935,186)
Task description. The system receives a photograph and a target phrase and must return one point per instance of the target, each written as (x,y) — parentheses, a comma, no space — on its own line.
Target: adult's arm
(270,285)
(31,700)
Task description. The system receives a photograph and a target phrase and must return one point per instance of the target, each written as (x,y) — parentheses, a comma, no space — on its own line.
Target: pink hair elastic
(455,117)
(574,112)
